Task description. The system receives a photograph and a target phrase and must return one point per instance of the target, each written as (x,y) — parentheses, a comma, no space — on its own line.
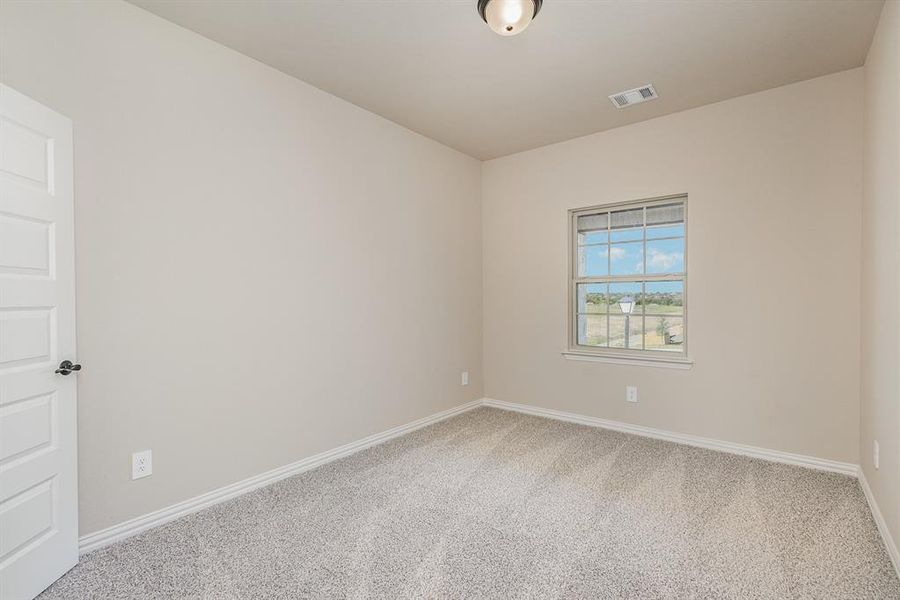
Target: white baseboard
(134,526)
(800,460)
(889,543)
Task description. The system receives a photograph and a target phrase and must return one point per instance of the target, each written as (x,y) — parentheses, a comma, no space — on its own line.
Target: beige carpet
(493,504)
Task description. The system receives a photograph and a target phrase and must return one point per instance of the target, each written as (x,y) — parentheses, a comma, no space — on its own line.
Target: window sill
(625,359)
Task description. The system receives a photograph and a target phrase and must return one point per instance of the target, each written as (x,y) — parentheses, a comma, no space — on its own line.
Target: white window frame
(662,358)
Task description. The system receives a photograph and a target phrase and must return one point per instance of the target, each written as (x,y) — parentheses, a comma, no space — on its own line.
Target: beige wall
(880,389)
(774,184)
(264,271)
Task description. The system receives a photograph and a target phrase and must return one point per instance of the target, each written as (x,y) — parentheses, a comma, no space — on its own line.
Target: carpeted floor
(494,504)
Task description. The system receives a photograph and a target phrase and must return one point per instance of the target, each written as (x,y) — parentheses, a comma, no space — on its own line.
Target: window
(628,276)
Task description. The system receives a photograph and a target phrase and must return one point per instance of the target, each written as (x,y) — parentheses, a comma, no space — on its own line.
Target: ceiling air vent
(635,96)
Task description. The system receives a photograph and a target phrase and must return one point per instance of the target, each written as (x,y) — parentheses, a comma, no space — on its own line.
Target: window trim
(644,357)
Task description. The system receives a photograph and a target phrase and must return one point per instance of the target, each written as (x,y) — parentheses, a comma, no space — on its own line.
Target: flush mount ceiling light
(508,17)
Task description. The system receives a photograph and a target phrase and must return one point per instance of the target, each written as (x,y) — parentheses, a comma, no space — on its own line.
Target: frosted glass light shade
(627,305)
(509,17)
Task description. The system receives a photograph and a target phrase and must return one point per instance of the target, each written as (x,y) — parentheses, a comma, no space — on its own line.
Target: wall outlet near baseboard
(875,454)
(464,379)
(141,464)
(631,393)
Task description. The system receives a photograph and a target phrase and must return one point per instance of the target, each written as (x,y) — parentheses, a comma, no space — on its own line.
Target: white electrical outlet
(465,378)
(875,454)
(141,464)
(631,393)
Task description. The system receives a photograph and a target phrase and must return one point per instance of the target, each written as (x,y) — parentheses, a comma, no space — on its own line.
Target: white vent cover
(635,96)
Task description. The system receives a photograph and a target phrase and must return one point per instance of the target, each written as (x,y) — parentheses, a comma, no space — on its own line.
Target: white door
(38,482)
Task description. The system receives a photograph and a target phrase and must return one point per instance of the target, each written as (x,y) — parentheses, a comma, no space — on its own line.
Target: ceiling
(435,67)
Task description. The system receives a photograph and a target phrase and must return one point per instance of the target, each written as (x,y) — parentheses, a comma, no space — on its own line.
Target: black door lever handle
(66,367)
